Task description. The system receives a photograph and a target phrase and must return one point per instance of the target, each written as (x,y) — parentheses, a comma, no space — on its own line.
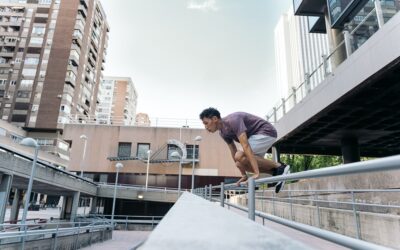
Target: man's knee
(239,156)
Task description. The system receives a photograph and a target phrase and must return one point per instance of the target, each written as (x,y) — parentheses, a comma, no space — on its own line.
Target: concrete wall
(132,194)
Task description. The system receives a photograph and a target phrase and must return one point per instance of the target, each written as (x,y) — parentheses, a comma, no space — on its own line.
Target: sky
(187,55)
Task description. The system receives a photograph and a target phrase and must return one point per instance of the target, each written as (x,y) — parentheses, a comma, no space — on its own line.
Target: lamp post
(118,166)
(148,166)
(197,139)
(29,142)
(175,154)
(83,137)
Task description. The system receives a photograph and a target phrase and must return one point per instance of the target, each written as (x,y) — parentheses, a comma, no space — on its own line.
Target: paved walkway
(122,240)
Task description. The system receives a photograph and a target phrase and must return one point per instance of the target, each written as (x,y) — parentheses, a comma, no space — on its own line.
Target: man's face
(210,124)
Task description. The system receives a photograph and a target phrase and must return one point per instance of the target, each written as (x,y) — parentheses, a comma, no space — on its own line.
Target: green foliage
(300,163)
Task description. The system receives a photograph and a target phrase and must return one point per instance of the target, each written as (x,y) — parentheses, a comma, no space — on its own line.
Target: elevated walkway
(194,223)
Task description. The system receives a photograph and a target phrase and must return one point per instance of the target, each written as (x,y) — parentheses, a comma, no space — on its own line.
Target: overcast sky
(187,55)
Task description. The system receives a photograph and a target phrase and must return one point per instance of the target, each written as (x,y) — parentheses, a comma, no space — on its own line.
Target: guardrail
(20,234)
(142,188)
(126,220)
(384,164)
(42,163)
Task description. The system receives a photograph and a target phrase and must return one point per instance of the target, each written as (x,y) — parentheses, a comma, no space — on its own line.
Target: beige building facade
(212,157)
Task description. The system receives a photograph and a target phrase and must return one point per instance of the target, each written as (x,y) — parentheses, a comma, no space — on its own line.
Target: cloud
(203,5)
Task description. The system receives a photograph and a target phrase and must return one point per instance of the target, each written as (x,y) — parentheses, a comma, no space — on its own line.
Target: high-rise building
(142,120)
(117,101)
(297,52)
(51,60)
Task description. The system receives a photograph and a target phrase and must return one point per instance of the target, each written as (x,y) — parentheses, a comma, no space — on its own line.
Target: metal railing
(23,233)
(158,122)
(325,68)
(125,220)
(142,187)
(385,164)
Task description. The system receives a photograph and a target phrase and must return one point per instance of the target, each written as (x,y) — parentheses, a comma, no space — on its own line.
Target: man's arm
(233,150)
(249,154)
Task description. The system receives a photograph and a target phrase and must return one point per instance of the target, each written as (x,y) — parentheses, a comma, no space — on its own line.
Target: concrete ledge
(194,223)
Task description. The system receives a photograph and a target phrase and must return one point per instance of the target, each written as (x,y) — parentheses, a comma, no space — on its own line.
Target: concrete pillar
(5,188)
(62,204)
(15,205)
(276,156)
(75,205)
(93,205)
(350,150)
(335,37)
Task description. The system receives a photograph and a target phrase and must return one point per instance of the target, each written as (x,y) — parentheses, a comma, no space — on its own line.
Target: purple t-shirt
(237,123)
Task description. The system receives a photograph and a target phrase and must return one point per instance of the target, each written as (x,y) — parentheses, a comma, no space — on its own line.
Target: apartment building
(51,60)
(143,120)
(117,101)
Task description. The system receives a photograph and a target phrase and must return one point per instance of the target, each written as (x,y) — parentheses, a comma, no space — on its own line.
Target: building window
(142,149)
(124,149)
(29,72)
(189,152)
(23,94)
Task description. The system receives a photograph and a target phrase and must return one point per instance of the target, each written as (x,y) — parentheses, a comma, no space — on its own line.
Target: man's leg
(264,165)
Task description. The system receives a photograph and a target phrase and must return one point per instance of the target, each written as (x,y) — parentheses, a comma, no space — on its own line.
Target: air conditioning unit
(12,63)
(10,70)
(7,97)
(59,96)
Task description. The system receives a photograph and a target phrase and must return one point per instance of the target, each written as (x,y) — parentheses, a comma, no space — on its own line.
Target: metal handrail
(323,234)
(383,164)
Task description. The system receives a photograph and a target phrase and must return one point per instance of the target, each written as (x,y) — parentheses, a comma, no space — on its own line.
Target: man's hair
(209,113)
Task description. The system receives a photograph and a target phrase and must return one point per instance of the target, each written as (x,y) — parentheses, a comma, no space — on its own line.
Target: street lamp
(175,154)
(83,137)
(197,139)
(148,165)
(118,166)
(29,142)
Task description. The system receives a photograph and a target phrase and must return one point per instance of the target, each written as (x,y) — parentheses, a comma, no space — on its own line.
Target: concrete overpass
(355,108)
(15,168)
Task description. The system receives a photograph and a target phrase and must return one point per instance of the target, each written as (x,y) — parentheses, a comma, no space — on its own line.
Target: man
(254,134)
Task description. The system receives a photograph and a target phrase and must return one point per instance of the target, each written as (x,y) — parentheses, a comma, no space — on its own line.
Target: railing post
(294,95)
(347,40)
(325,65)
(55,237)
(291,205)
(222,195)
(205,192)
(273,203)
(251,198)
(275,115)
(356,222)
(307,83)
(210,192)
(283,105)
(318,211)
(126,223)
(379,13)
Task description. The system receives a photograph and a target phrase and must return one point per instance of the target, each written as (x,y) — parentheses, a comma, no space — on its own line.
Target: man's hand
(243,179)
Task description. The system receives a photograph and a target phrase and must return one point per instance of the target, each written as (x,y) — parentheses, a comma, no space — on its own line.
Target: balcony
(9,33)
(309,7)
(84,3)
(341,12)
(7,54)
(82,10)
(71,80)
(317,24)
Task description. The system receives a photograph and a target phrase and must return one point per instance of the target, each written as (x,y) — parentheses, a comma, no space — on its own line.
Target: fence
(384,164)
